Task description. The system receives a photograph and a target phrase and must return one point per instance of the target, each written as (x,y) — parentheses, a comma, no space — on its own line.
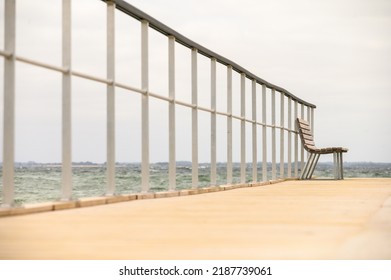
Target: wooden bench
(307,139)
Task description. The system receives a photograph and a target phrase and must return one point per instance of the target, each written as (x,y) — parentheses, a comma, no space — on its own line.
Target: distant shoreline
(185,163)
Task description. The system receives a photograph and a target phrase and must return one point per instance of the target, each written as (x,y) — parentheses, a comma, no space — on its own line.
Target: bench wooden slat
(307,126)
(308,137)
(311,148)
(304,128)
(306,132)
(302,121)
(309,143)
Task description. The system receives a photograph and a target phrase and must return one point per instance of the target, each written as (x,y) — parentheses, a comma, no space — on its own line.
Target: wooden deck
(318,219)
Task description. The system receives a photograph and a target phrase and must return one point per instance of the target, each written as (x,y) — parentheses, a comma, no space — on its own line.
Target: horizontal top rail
(164,29)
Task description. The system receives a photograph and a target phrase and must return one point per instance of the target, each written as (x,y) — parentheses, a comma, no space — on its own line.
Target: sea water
(35,182)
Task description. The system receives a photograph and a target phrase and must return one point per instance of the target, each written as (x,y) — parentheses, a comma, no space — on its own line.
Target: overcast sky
(335,54)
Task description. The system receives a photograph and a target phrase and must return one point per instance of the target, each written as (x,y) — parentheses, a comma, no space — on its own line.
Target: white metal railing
(285,126)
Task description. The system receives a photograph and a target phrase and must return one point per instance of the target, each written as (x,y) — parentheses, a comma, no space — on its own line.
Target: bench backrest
(306,136)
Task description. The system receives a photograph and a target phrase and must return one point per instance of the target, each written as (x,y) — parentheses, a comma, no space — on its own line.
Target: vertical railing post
(274,175)
(242,128)
(312,121)
(301,146)
(282,123)
(289,137)
(194,118)
(9,103)
(296,141)
(309,120)
(264,138)
(66,184)
(254,129)
(213,122)
(144,107)
(171,114)
(229,124)
(110,98)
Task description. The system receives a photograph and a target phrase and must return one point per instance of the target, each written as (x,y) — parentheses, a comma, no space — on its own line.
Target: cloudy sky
(335,54)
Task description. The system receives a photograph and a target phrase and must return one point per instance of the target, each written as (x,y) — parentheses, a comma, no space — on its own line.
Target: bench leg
(341,166)
(304,172)
(338,166)
(313,166)
(335,166)
(309,167)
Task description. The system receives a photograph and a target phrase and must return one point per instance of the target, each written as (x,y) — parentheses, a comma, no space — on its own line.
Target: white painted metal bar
(229,124)
(274,172)
(66,182)
(204,109)
(144,107)
(90,77)
(185,104)
(243,128)
(301,146)
(110,98)
(238,118)
(171,114)
(9,104)
(264,138)
(40,64)
(296,141)
(289,171)
(282,144)
(213,167)
(5,54)
(222,114)
(130,88)
(67,70)
(254,129)
(312,121)
(309,120)
(158,96)
(194,117)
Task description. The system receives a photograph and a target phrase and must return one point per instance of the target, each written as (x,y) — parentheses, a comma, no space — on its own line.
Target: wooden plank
(301,121)
(307,137)
(309,142)
(306,125)
(305,129)
(311,148)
